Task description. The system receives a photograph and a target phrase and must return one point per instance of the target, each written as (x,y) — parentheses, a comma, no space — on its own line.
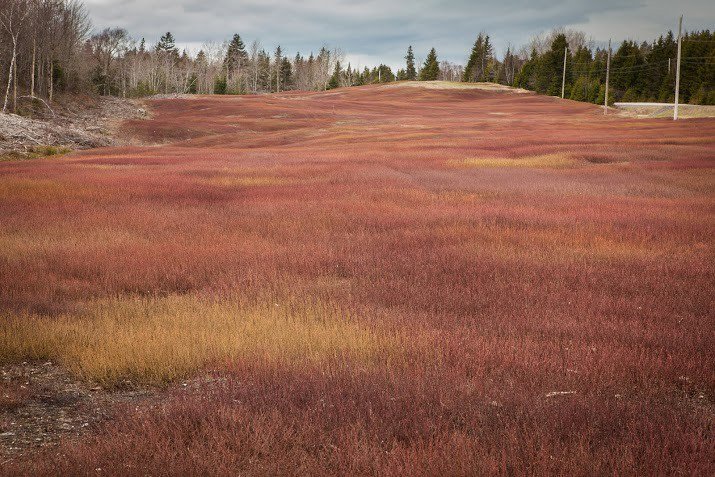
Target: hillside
(377,280)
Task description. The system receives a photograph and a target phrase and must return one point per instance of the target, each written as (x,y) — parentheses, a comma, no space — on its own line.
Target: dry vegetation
(75,122)
(378,281)
(155,341)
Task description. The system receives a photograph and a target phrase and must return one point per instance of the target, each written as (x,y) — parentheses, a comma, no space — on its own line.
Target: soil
(41,403)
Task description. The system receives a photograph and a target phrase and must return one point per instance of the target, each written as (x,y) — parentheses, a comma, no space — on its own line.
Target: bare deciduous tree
(12,17)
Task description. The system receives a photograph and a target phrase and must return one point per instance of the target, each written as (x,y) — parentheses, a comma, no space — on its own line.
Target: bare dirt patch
(41,402)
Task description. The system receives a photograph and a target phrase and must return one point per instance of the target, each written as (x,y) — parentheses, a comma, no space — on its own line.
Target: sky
(371,32)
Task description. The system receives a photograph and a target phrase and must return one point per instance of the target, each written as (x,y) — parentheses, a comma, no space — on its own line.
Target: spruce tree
(471,72)
(488,65)
(286,73)
(410,72)
(335,79)
(236,55)
(430,69)
(278,61)
(167,44)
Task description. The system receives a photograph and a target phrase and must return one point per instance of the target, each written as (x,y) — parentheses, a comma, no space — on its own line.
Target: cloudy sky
(374,31)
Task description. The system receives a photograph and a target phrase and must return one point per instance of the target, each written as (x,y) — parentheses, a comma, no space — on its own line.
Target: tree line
(638,71)
(46,46)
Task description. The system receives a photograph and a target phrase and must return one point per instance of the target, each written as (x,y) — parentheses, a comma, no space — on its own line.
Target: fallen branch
(43,102)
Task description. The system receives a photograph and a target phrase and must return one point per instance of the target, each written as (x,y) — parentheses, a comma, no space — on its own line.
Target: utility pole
(563,80)
(608,77)
(677,69)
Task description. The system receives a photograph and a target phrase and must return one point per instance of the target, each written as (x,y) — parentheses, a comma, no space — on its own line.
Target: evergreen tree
(430,69)
(526,78)
(286,73)
(349,75)
(277,62)
(480,65)
(385,74)
(335,79)
(627,67)
(167,44)
(410,72)
(264,71)
(220,85)
(236,55)
(470,71)
(549,68)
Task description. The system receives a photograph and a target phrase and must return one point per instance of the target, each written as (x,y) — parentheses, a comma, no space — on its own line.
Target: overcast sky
(374,31)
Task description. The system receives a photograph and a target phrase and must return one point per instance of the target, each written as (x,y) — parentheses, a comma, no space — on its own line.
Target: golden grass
(566,245)
(235,181)
(42,190)
(547,161)
(156,340)
(484,86)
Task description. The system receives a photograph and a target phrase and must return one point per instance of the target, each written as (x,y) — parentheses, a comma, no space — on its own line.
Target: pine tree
(264,71)
(410,72)
(236,55)
(220,85)
(430,69)
(349,75)
(471,71)
(488,62)
(286,73)
(167,44)
(278,61)
(384,74)
(481,65)
(335,79)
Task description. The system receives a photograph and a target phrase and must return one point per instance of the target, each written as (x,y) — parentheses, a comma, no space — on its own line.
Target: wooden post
(677,69)
(563,80)
(608,77)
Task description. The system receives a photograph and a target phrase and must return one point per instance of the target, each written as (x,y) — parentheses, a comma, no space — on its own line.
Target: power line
(643,67)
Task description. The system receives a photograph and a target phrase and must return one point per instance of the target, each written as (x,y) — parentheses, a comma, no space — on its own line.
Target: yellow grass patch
(108,167)
(565,245)
(40,190)
(237,181)
(455,85)
(155,340)
(547,161)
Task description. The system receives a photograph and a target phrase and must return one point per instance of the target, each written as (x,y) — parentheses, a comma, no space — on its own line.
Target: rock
(560,393)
